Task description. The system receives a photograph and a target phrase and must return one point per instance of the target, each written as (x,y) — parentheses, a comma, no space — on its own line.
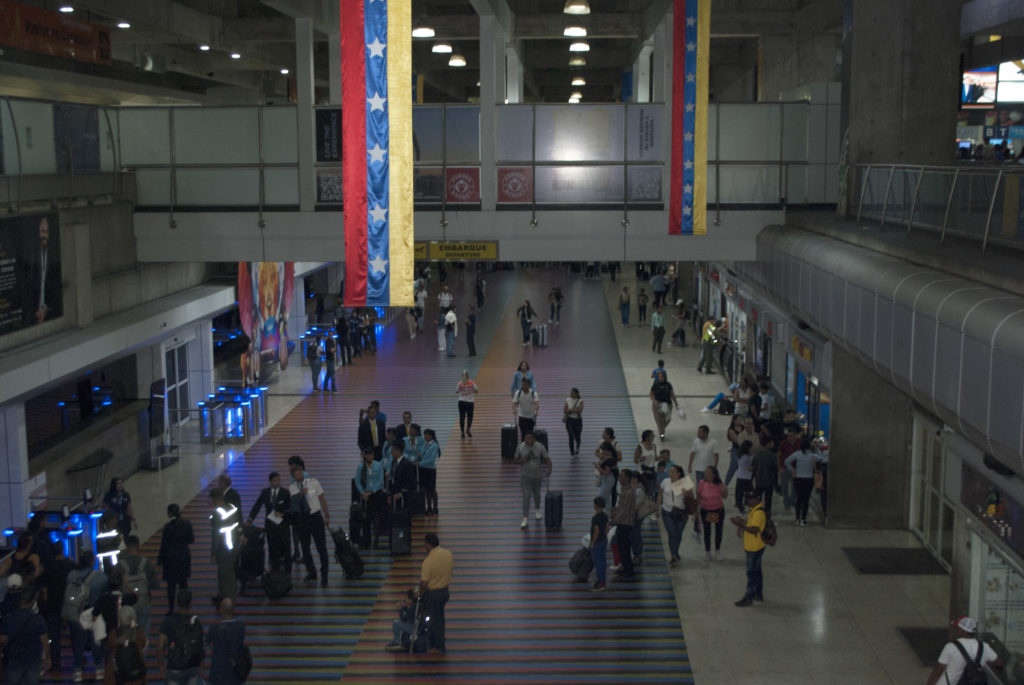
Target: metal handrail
(17,147)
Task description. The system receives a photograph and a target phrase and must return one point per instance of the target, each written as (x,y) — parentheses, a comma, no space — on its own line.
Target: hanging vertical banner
(691,34)
(376,61)
(264,295)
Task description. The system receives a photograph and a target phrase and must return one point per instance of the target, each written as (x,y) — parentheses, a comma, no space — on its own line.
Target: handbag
(645,508)
(819,480)
(712,517)
(689,503)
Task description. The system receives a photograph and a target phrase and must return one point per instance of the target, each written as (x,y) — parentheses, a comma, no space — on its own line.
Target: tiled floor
(822,621)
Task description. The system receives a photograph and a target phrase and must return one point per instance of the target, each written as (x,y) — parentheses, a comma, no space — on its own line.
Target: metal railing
(981,204)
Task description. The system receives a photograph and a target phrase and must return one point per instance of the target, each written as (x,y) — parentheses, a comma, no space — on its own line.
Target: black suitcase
(541,436)
(276,583)
(251,554)
(582,563)
(346,555)
(509,441)
(553,509)
(401,542)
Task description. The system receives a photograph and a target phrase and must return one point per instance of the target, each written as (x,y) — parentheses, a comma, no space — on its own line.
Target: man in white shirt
(526,404)
(444,299)
(312,519)
(953,659)
(703,453)
(451,330)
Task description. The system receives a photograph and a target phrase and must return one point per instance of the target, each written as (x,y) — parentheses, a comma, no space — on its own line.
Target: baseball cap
(14,581)
(966,624)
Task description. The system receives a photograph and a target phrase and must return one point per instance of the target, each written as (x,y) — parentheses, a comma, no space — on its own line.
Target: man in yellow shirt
(754,546)
(435,577)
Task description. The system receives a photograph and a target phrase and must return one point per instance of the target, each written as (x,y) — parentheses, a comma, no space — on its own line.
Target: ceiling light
(284,71)
(577,61)
(574,32)
(123,25)
(442,48)
(579,46)
(456,60)
(423,32)
(579,81)
(574,101)
(204,47)
(576,94)
(576,7)
(67,9)
(236,55)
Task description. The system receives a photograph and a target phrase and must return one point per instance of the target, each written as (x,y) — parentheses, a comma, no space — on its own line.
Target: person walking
(314,352)
(225,639)
(310,506)
(662,398)
(711,494)
(522,373)
(753,546)
(657,329)
(800,465)
(526,315)
(94,583)
(225,521)
(140,579)
(526,406)
(275,502)
(572,416)
(534,464)
(24,641)
(624,306)
(330,362)
(481,290)
(119,502)
(471,331)
(659,287)
(641,307)
(451,331)
(645,456)
(441,330)
(434,590)
(599,544)
(733,435)
(466,389)
(672,508)
(966,648)
(765,469)
(181,644)
(175,558)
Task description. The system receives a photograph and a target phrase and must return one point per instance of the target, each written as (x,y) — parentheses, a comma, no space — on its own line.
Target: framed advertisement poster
(31,289)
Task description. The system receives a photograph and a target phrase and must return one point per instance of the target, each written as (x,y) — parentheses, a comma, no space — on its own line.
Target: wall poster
(31,289)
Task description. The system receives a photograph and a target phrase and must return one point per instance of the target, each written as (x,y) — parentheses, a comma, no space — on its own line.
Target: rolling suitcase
(540,335)
(509,441)
(250,557)
(276,583)
(553,509)
(401,532)
(582,563)
(541,436)
(346,555)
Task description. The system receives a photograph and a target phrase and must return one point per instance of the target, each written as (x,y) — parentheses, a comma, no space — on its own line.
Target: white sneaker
(525,523)
(718,555)
(78,676)
(537,515)
(705,410)
(100,673)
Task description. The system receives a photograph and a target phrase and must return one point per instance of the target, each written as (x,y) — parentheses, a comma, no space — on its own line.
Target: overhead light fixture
(284,71)
(456,60)
(577,61)
(574,101)
(123,25)
(579,81)
(442,48)
(236,55)
(575,32)
(579,46)
(576,7)
(204,48)
(67,9)
(423,32)
(576,94)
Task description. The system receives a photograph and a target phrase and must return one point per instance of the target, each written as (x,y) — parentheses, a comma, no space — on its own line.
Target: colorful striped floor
(516,613)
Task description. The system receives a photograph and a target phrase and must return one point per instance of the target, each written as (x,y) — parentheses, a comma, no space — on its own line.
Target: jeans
(525,425)
(804,487)
(636,541)
(525,325)
(786,488)
(718,398)
(530,486)
(707,354)
(314,371)
(81,640)
(188,676)
(329,377)
(659,336)
(465,415)
(575,429)
(698,476)
(624,311)
(599,555)
(734,464)
(641,313)
(432,605)
(674,527)
(717,526)
(623,535)
(24,674)
(449,343)
(755,579)
(470,341)
(743,486)
(400,629)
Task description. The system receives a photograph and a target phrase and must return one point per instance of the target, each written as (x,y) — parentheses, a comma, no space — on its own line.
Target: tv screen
(978,88)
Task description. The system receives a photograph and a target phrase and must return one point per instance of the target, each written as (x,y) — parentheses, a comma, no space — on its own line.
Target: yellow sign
(483,251)
(801,349)
(420,250)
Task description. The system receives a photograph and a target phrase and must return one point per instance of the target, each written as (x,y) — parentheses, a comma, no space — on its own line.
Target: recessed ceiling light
(442,48)
(236,55)
(576,7)
(580,46)
(573,101)
(204,47)
(67,9)
(574,32)
(577,61)
(579,81)
(456,60)
(576,94)
(423,32)
(284,71)
(123,25)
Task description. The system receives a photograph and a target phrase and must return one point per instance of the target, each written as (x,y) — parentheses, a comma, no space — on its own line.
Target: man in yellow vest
(707,346)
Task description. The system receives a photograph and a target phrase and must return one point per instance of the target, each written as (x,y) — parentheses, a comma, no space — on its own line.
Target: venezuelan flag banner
(691,35)
(376,120)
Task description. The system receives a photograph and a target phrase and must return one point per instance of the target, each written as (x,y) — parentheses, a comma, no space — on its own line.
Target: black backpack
(974,672)
(187,650)
(128,663)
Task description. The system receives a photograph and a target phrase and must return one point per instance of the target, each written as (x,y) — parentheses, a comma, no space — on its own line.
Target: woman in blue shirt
(522,373)
(414,444)
(428,470)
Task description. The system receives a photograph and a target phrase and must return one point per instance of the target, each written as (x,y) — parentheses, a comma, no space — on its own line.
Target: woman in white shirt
(646,455)
(572,416)
(672,510)
(465,390)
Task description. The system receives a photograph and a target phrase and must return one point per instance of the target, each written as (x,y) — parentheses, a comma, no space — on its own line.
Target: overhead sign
(801,349)
(29,28)
(419,250)
(480,251)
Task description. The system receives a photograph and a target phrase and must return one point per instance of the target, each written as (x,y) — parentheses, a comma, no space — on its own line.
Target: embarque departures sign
(477,251)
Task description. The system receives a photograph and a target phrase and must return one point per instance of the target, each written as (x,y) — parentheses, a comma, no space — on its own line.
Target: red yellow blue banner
(377,183)
(691,35)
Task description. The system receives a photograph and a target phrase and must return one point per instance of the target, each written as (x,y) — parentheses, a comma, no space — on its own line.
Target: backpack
(128,663)
(76,597)
(241,661)
(312,351)
(187,651)
(136,582)
(974,672)
(769,535)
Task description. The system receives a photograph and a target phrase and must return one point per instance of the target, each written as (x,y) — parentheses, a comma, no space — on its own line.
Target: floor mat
(894,561)
(926,642)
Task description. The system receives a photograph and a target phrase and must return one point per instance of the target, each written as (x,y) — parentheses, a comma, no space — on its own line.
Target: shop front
(808,379)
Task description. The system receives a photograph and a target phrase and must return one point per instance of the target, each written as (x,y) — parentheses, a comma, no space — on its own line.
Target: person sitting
(404,626)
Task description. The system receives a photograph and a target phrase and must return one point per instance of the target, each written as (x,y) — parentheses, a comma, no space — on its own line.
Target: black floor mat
(926,642)
(893,560)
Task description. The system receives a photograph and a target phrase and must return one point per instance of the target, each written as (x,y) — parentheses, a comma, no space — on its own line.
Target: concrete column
(77,258)
(787,63)
(872,428)
(661,67)
(642,73)
(492,82)
(297,322)
(334,54)
(304,111)
(513,76)
(15,484)
(900,64)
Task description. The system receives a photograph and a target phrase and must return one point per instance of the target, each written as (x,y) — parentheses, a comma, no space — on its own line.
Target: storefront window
(999,592)
(932,518)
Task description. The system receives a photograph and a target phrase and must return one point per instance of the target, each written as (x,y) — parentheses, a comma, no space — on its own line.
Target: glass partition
(462,135)
(749,132)
(145,136)
(579,133)
(426,134)
(219,187)
(206,135)
(280,135)
(515,133)
(565,185)
(35,135)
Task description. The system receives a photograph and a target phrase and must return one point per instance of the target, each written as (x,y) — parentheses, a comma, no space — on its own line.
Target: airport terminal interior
(805,210)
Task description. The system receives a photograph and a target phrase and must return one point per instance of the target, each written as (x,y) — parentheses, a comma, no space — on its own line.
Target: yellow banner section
(419,250)
(458,252)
